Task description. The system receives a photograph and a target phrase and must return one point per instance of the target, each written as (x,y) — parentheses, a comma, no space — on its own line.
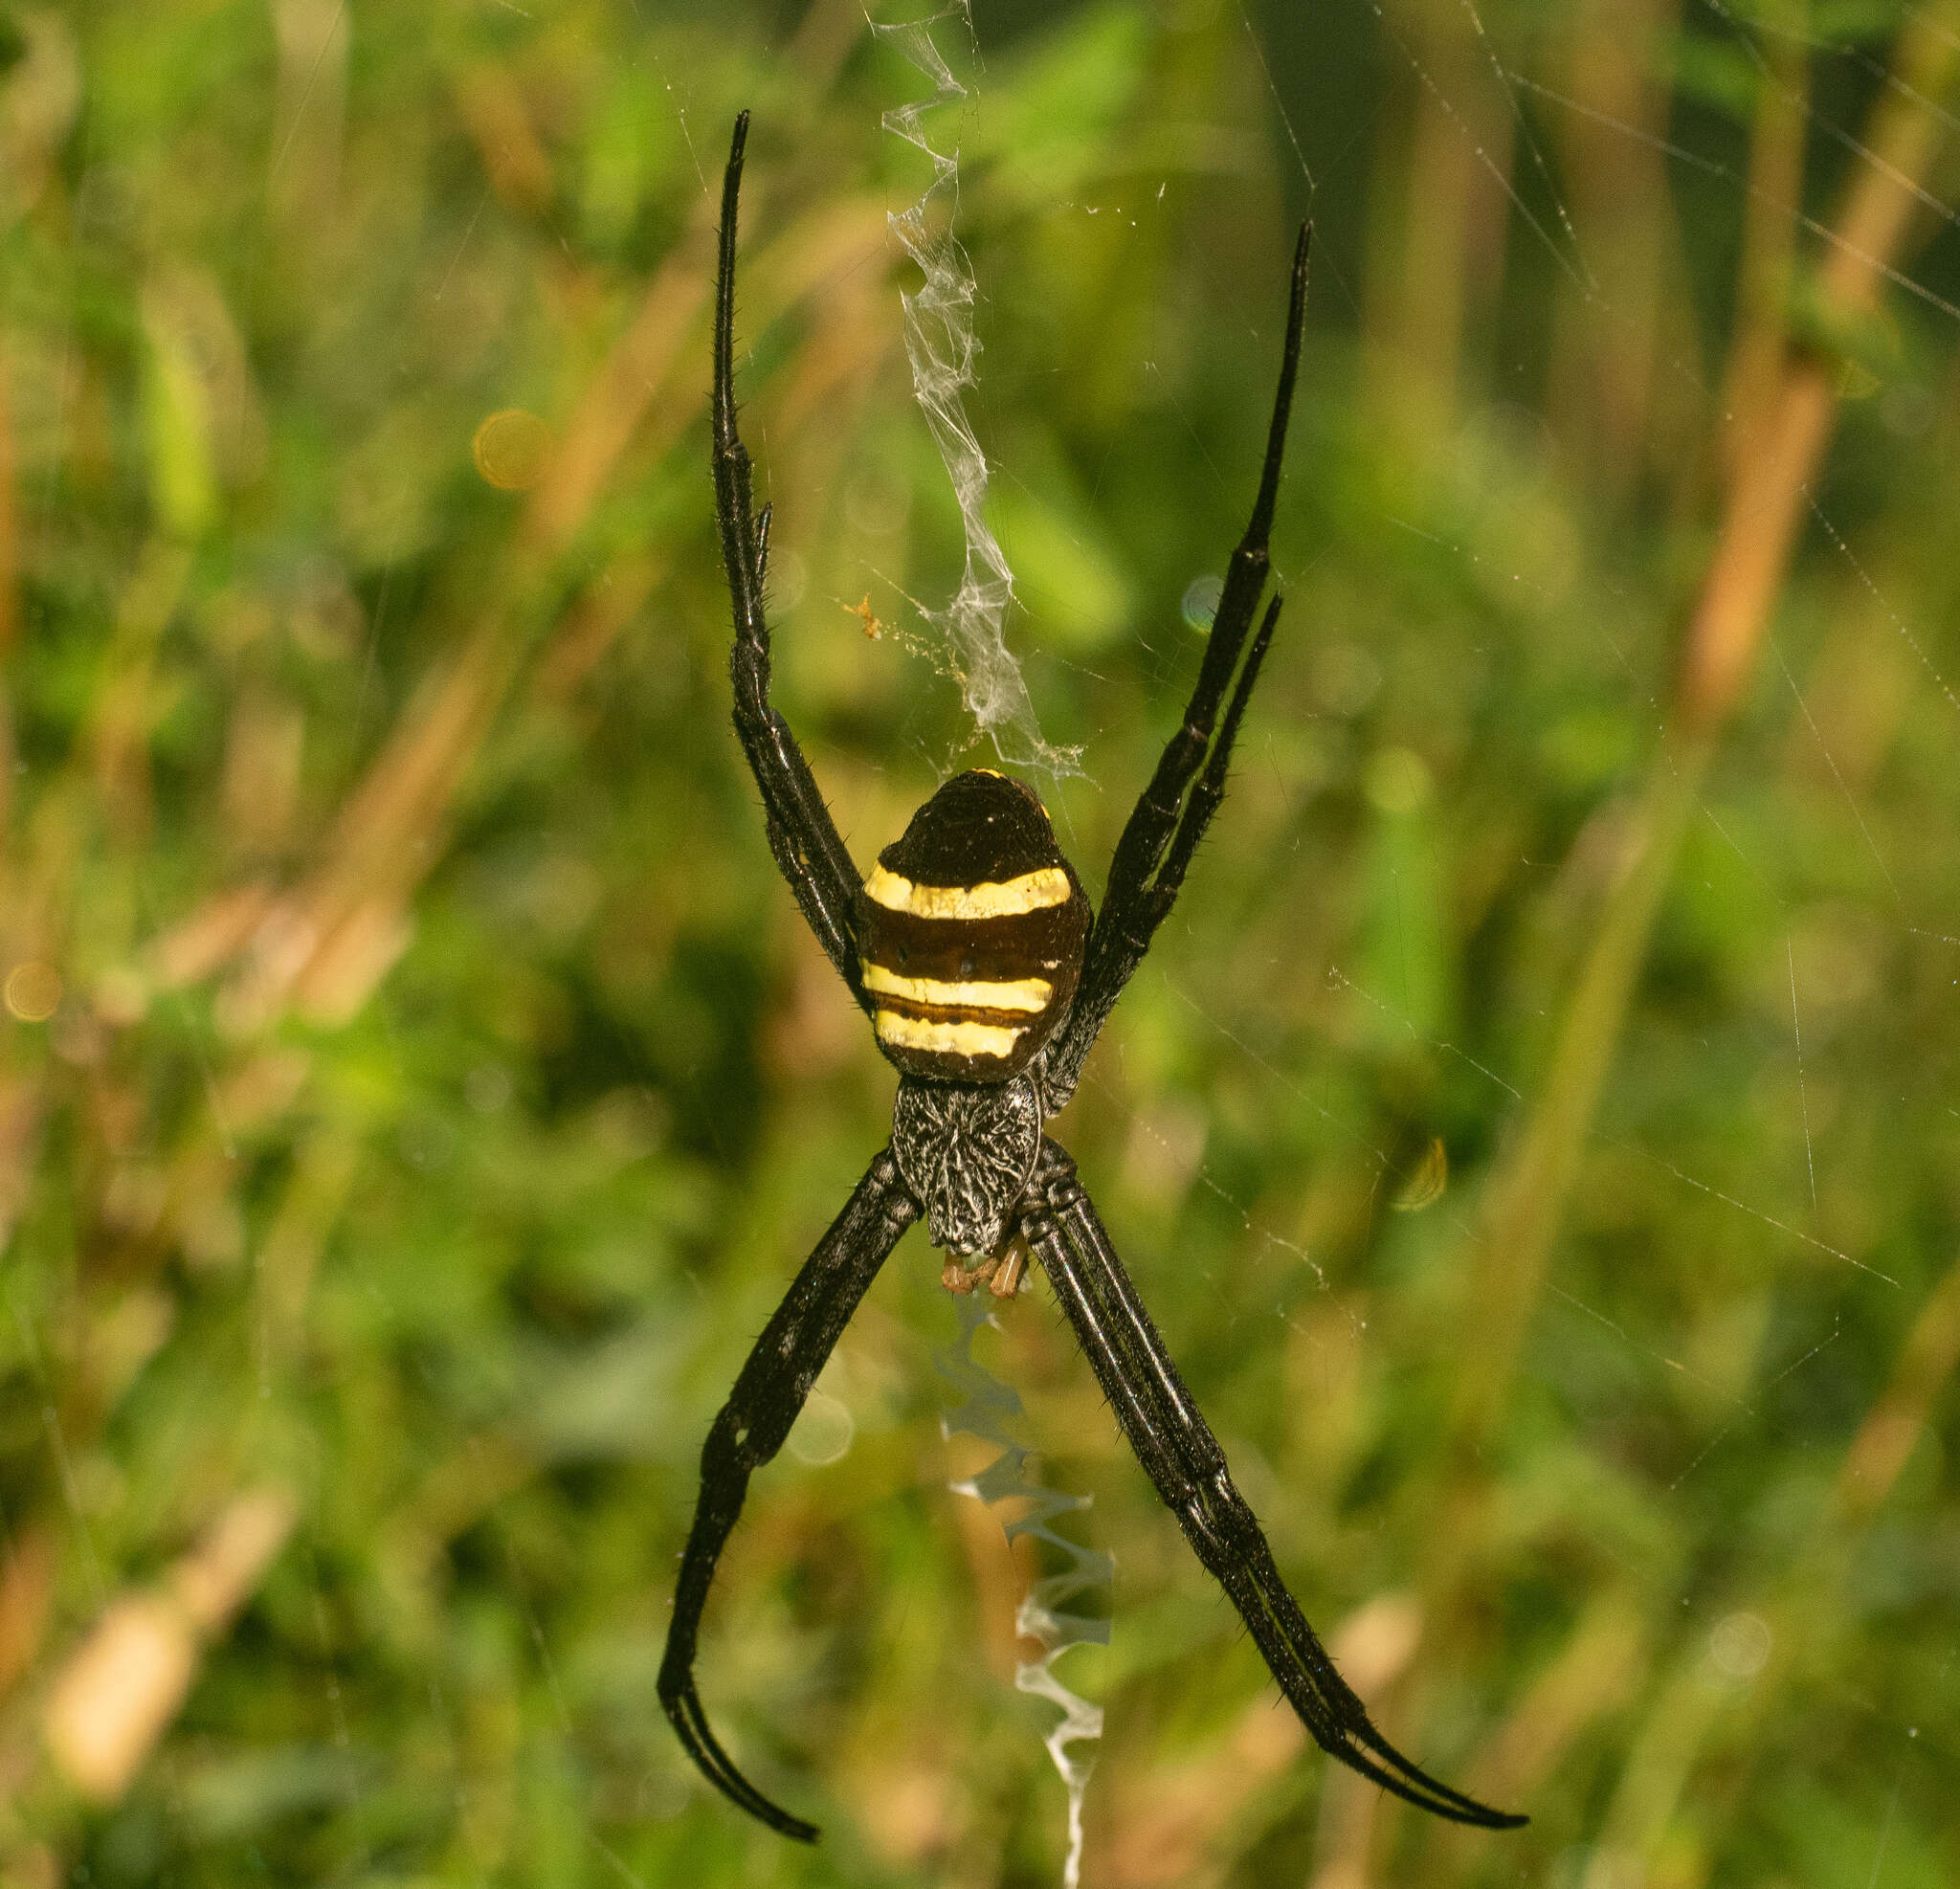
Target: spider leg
(1170,819)
(768,1393)
(1182,1459)
(801,836)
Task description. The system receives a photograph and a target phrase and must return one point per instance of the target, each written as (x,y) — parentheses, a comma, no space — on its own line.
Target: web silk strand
(988,1408)
(942,346)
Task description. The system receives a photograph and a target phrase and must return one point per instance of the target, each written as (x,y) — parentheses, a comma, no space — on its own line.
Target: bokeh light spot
(1740,1645)
(1425,1184)
(1398,780)
(511,448)
(1201,600)
(1343,678)
(823,1430)
(33,990)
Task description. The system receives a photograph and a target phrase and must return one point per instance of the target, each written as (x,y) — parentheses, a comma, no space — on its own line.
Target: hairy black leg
(1183,1460)
(1170,819)
(802,834)
(768,1393)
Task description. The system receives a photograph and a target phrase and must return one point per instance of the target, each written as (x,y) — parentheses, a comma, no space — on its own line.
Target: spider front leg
(1170,819)
(1184,1462)
(801,836)
(768,1393)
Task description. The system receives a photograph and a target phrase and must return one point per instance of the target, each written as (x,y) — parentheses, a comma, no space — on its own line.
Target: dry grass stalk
(1177,1818)
(120,735)
(328,944)
(1895,1424)
(1615,396)
(1767,499)
(27,1587)
(1788,1621)
(499,122)
(10,519)
(1596,1672)
(1528,1193)
(128,1679)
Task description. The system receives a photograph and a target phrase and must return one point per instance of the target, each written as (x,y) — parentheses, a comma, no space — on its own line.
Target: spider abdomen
(970,931)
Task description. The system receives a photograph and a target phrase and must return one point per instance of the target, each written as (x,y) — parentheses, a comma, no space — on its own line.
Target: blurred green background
(1536,1132)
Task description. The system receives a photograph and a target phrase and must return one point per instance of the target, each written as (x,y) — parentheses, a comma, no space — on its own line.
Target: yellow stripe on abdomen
(1021,993)
(1008,898)
(948,1040)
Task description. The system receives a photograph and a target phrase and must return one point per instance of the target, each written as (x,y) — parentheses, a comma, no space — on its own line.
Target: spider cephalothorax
(971,948)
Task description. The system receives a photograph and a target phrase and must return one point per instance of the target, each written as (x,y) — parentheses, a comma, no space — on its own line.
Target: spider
(973,951)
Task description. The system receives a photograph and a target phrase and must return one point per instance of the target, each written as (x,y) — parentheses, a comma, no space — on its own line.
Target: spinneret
(970,931)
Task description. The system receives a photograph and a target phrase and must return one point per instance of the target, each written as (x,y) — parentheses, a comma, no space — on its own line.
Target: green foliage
(418,1086)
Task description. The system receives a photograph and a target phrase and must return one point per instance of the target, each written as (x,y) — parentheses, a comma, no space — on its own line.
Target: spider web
(1729,1641)
(1887,902)
(1736,1638)
(988,1408)
(943,347)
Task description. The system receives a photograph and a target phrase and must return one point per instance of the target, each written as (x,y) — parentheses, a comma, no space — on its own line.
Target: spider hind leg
(1182,1459)
(770,1390)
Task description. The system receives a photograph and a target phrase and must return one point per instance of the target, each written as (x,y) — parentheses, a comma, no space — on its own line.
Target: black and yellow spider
(972,950)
